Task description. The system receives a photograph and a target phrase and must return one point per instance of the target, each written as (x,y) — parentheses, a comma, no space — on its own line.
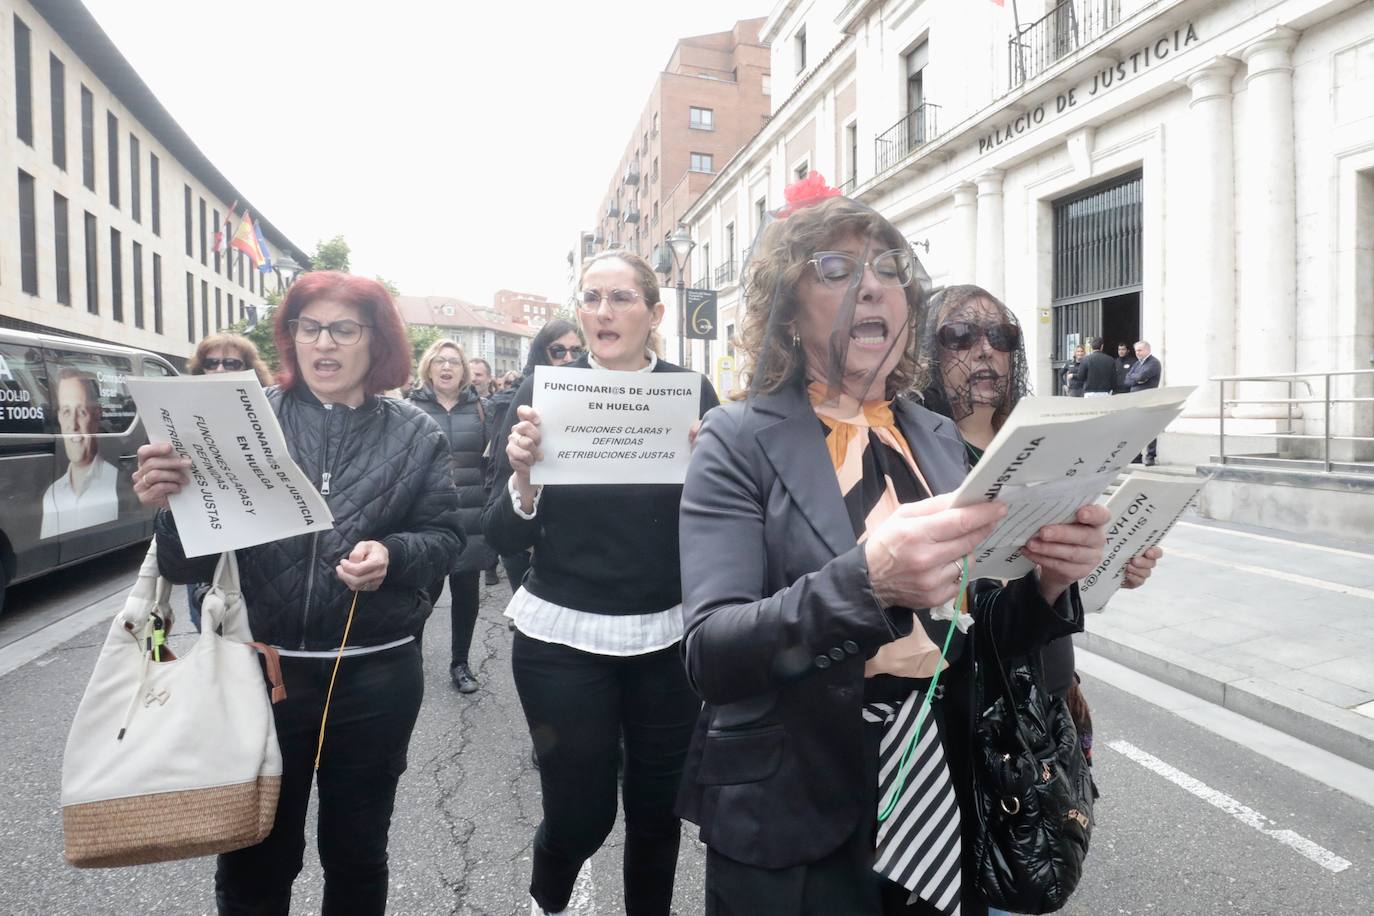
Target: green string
(904,767)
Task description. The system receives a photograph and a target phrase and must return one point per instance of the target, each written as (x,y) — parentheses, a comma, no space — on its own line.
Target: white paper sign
(245,489)
(600,426)
(1143,509)
(1053,456)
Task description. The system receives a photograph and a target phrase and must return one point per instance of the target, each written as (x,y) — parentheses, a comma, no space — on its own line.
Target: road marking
(1247,816)
(1308,581)
(1273,540)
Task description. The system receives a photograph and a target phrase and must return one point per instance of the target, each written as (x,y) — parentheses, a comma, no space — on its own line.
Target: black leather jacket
(384,470)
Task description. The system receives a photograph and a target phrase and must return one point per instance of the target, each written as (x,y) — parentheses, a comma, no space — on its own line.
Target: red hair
(388,346)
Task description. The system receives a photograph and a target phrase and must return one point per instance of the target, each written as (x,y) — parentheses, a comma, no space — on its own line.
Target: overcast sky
(458,146)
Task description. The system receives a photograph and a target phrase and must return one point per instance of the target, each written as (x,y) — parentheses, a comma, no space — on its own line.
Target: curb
(1340,731)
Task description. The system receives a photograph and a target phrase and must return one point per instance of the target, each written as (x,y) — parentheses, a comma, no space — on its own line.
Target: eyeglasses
(589,300)
(229,364)
(892,268)
(344,332)
(964,335)
(445,362)
(558,351)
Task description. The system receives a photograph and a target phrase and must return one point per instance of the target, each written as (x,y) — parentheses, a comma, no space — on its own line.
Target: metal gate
(1097,253)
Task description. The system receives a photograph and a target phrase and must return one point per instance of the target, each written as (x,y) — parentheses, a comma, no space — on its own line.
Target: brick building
(481,332)
(710,99)
(529,308)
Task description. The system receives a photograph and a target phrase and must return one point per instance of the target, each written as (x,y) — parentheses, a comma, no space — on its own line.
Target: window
(138,284)
(730,339)
(702,162)
(760,212)
(240,263)
(190,229)
(851,146)
(916,60)
(706,263)
(112,135)
(24,388)
(767,84)
(135,180)
(116,275)
(217,244)
(729,241)
(23,83)
(155,179)
(28,235)
(802,170)
(204,259)
(799,48)
(92,267)
(703,119)
(229,307)
(57,83)
(154,369)
(104,375)
(219,306)
(654,130)
(190,307)
(654,175)
(252,279)
(157,293)
(204,307)
(62,259)
(87,138)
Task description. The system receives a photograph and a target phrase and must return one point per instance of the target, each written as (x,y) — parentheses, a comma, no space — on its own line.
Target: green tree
(330,255)
(390,287)
(261,333)
(421,336)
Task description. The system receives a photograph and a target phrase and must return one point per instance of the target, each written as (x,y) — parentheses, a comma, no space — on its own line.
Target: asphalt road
(1189,822)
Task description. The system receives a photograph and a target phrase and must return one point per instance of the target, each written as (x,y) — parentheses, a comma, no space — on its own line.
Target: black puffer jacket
(465,427)
(384,470)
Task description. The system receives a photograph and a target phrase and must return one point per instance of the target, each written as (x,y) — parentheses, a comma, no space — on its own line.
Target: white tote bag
(176,758)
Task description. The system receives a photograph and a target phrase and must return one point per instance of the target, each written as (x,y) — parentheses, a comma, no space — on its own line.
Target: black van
(69,438)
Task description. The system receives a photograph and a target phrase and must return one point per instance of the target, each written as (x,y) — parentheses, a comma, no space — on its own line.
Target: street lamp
(287,268)
(681,243)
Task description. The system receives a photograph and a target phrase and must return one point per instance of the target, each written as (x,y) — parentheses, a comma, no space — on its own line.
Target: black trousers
(463,588)
(516,564)
(376,700)
(577,705)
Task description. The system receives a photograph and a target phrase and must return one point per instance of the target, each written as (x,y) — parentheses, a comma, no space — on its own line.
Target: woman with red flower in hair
(816,537)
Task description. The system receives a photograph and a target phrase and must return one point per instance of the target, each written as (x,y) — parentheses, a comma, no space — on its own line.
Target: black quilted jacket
(465,428)
(384,469)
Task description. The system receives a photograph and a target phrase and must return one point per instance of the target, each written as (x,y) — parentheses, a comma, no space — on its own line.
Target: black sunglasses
(230,364)
(964,335)
(558,351)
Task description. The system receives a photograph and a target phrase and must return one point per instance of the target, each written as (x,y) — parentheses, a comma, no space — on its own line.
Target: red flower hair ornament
(804,193)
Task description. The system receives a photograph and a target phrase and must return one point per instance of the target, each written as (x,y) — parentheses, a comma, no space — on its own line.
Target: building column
(963,240)
(1268,213)
(991,267)
(1210,253)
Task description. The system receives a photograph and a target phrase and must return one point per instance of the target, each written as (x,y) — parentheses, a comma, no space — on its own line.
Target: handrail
(1291,379)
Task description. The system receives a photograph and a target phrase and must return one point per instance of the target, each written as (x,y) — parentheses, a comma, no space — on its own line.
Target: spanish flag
(246,240)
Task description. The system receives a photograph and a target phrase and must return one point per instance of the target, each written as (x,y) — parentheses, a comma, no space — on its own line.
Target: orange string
(319,749)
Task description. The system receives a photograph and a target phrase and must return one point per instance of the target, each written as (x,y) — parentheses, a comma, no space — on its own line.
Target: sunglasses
(228,365)
(964,335)
(558,351)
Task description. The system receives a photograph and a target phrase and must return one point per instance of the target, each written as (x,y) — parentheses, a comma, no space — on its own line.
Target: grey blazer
(780,617)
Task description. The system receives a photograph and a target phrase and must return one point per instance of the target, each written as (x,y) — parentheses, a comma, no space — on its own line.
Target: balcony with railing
(613,211)
(632,214)
(725,274)
(632,174)
(916,128)
(703,282)
(1060,32)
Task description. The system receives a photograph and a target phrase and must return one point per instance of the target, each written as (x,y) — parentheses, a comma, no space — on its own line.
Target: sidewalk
(1275,629)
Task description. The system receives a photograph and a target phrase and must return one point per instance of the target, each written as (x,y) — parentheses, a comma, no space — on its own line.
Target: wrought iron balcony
(914,130)
(632,214)
(613,212)
(632,175)
(725,274)
(703,282)
(1060,32)
(848,187)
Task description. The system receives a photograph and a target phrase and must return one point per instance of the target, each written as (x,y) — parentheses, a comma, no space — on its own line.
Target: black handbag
(1032,787)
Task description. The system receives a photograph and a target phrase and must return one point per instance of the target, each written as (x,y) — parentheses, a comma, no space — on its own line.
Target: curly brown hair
(246,349)
(778,265)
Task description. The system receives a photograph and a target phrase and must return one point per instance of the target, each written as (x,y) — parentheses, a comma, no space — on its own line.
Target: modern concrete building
(111,207)
(712,96)
(482,332)
(1196,174)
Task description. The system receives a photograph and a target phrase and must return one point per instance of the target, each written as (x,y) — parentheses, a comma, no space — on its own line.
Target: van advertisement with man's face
(68,440)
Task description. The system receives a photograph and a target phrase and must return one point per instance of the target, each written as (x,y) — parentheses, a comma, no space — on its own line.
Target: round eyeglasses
(344,332)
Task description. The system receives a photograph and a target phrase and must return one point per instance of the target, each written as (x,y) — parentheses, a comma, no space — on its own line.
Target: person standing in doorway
(1125,359)
(1145,374)
(1073,382)
(1098,371)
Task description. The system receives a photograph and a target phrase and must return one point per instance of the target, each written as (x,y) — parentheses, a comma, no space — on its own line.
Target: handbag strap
(272,660)
(1008,694)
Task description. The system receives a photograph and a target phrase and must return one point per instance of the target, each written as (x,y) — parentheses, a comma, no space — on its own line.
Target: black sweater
(1097,372)
(610,549)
